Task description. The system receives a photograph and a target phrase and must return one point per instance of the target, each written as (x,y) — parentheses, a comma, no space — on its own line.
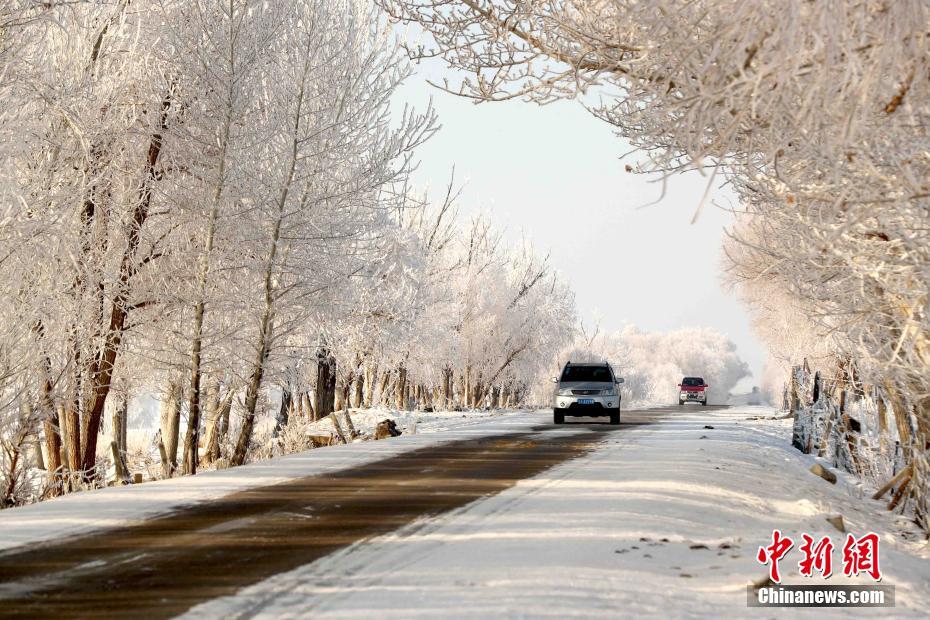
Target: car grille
(585,392)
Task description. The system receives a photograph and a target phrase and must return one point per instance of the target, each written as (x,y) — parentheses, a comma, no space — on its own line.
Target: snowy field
(660,521)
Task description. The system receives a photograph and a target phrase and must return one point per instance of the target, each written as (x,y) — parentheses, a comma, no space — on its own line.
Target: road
(170,564)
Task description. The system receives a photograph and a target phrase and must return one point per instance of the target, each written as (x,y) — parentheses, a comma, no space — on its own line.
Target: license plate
(585,401)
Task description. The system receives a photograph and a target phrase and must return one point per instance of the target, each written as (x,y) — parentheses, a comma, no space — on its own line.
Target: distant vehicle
(587,390)
(692,390)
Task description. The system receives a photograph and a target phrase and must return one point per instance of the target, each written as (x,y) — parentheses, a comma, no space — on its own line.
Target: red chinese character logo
(861,556)
(773,553)
(819,557)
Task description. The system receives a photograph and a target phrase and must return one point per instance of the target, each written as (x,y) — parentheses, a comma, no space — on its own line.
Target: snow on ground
(102,508)
(413,422)
(660,520)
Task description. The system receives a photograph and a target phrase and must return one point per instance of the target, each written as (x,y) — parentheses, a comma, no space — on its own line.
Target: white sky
(553,174)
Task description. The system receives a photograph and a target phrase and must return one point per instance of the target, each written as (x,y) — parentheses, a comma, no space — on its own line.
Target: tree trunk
(882,415)
(899,494)
(284,411)
(353,433)
(467,388)
(371,376)
(16,448)
(902,421)
(171,423)
(478,394)
(119,463)
(307,406)
(382,388)
(165,462)
(212,451)
(325,392)
(124,428)
(255,380)
(882,412)
(799,431)
(73,439)
(51,425)
(52,433)
(334,420)
(103,365)
(446,388)
(795,397)
(400,388)
(36,443)
(342,390)
(225,409)
(358,385)
(192,436)
(119,424)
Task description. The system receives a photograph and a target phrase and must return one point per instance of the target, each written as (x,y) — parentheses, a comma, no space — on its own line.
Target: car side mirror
(555,379)
(679,385)
(707,386)
(619,380)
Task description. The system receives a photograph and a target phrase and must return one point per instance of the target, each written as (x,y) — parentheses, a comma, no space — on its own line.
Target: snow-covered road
(509,516)
(661,520)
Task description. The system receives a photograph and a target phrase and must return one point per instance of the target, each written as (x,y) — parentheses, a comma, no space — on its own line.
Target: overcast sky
(554,174)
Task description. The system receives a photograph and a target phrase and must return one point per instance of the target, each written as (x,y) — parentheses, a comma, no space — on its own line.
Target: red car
(692,390)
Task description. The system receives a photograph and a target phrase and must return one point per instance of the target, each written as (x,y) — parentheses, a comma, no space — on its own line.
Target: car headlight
(609,392)
(565,392)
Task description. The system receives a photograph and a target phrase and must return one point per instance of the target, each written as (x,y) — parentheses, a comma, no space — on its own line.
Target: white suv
(587,390)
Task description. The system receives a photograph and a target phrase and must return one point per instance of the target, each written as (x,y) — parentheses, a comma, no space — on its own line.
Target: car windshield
(599,374)
(693,381)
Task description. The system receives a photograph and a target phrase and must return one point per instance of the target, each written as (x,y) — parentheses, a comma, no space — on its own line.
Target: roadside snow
(115,506)
(413,422)
(660,520)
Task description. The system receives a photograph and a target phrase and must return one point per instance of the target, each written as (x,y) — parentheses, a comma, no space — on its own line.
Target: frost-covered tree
(329,156)
(186,186)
